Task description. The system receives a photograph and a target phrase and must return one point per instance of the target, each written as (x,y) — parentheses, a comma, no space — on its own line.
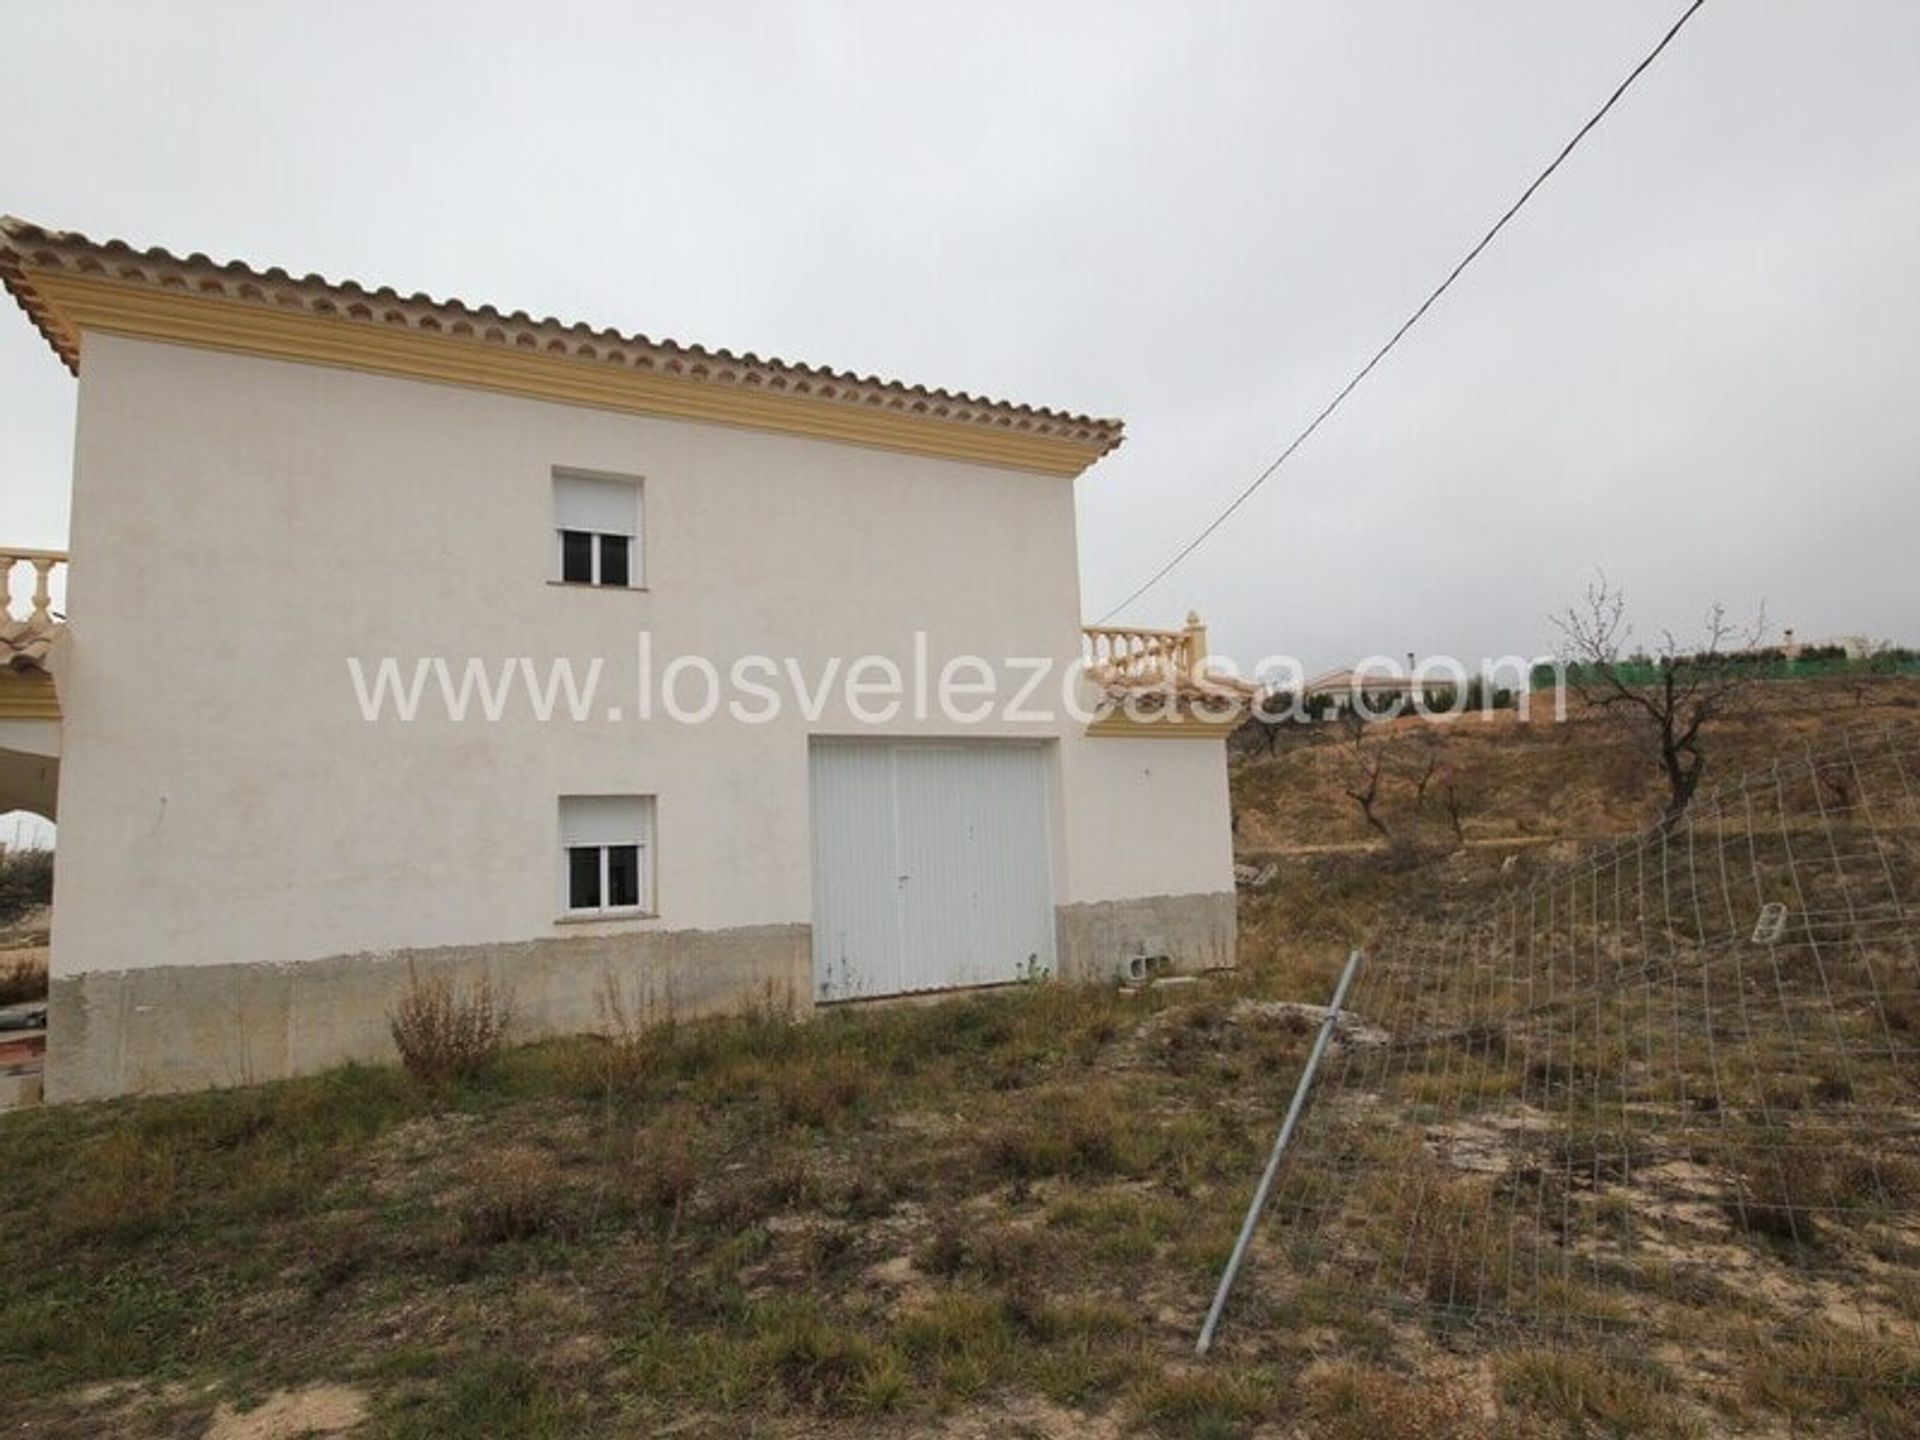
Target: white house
(1367,688)
(297,503)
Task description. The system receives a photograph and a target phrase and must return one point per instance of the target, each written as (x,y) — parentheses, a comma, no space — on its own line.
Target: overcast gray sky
(1692,360)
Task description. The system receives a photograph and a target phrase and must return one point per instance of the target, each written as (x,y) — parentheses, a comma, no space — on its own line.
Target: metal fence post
(1280,1144)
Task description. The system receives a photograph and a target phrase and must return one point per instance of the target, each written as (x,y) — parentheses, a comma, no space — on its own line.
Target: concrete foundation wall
(188,1027)
(1101,940)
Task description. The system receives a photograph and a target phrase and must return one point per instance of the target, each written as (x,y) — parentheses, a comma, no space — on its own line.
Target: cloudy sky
(1692,361)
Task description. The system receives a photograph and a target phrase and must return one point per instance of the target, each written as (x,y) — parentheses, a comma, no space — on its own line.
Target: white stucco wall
(242,526)
(1147,817)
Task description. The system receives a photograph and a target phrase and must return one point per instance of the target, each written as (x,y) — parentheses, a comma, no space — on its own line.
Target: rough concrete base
(191,1027)
(18,1092)
(1103,940)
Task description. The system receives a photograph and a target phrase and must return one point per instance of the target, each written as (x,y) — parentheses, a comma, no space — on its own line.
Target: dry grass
(1442,1234)
(1589,1395)
(1353,1402)
(998,1215)
(446,1032)
(1520,783)
(1207,1403)
(23,978)
(1838,1375)
(26,882)
(919,1244)
(515,1193)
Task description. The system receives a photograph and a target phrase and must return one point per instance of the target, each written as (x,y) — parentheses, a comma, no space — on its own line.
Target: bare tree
(1673,709)
(1429,755)
(1274,717)
(1875,665)
(1368,766)
(1456,803)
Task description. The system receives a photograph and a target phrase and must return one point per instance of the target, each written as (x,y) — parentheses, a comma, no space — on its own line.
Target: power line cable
(1412,320)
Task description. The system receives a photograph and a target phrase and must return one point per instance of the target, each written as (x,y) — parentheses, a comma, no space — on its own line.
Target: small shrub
(1781,1184)
(1083,1134)
(1205,1403)
(665,1178)
(1616,1399)
(964,1341)
(639,1034)
(22,979)
(816,1091)
(1350,1402)
(1596,1155)
(1876,1179)
(128,1187)
(446,1032)
(26,882)
(996,1252)
(829,1368)
(827,1250)
(758,1194)
(1902,1011)
(1835,1373)
(516,1195)
(946,1253)
(867,1196)
(1446,1237)
(496,1391)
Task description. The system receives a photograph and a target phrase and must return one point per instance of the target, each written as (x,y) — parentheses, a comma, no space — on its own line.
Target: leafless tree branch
(1689,691)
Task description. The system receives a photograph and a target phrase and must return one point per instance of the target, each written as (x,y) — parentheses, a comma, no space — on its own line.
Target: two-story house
(401,633)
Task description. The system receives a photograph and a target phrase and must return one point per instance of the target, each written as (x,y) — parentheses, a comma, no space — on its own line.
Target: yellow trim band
(209,322)
(1118,724)
(28,695)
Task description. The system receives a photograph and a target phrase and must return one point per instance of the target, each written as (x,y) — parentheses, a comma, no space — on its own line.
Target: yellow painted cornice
(1183,723)
(78,304)
(28,695)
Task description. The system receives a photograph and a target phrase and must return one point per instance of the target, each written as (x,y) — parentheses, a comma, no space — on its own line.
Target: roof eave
(68,284)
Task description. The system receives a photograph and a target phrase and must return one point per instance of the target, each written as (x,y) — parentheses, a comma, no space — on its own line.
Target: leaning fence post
(1287,1127)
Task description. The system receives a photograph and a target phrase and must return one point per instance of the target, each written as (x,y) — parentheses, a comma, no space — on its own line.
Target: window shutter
(605,820)
(609,507)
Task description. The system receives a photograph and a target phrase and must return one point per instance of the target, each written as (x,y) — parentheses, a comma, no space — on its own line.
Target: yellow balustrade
(1131,655)
(39,605)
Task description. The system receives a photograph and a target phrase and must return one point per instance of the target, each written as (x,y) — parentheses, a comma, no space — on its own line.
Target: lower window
(607,844)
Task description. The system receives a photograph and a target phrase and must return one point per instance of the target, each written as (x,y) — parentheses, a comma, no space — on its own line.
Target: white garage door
(930,866)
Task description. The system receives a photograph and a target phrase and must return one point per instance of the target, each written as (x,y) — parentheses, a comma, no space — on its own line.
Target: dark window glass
(623,875)
(583,877)
(576,556)
(613,559)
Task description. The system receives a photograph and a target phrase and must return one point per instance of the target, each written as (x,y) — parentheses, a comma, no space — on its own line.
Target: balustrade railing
(35,605)
(1130,655)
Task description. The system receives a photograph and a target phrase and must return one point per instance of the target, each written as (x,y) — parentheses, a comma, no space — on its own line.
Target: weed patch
(446,1032)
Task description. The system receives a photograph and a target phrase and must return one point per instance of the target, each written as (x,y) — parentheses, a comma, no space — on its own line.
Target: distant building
(1344,689)
(1854,647)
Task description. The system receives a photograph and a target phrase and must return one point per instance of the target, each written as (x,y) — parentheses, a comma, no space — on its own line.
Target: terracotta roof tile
(26,247)
(24,644)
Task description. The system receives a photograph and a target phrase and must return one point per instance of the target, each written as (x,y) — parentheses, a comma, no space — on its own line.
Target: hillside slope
(1001,1215)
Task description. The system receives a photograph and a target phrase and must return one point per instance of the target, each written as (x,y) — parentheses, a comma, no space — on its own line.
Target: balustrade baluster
(42,595)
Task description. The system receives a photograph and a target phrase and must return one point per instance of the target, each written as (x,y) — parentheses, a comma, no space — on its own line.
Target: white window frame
(594,834)
(635,538)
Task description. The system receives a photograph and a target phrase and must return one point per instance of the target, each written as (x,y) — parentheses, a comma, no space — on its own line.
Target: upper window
(606,844)
(596,521)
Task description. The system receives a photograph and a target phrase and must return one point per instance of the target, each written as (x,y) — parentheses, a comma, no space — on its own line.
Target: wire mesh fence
(1671,1093)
